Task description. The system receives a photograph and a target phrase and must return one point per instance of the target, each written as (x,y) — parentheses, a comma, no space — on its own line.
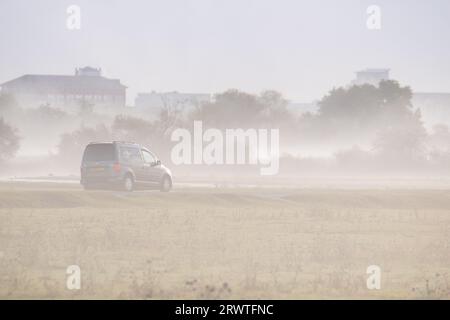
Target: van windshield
(99,152)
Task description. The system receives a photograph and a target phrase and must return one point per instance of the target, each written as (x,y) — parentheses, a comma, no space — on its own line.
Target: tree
(8,104)
(366,105)
(439,139)
(237,109)
(358,113)
(9,141)
(71,145)
(403,142)
(155,134)
(85,108)
(127,128)
(47,113)
(357,104)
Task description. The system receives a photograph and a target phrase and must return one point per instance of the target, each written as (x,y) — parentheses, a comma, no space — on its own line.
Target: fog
(255,149)
(360,130)
(263,64)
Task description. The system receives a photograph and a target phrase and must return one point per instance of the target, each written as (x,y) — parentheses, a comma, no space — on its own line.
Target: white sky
(300,48)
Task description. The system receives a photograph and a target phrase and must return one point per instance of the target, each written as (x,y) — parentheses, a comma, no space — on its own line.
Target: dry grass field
(223,243)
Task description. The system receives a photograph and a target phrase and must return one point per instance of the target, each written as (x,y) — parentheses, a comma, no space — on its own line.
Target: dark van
(123,164)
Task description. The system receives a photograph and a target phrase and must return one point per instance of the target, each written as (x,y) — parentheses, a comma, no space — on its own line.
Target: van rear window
(99,152)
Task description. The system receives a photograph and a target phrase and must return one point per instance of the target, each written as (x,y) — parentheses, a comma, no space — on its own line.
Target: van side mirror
(157,163)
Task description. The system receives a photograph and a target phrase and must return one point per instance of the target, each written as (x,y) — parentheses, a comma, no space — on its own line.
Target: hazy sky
(300,48)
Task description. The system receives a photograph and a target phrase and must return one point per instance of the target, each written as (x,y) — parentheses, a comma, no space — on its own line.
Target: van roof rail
(128,142)
(96,142)
(115,141)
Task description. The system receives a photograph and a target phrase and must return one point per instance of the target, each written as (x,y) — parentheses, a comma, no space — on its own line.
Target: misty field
(223,242)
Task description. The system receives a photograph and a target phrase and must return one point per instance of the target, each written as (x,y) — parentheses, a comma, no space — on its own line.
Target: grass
(223,243)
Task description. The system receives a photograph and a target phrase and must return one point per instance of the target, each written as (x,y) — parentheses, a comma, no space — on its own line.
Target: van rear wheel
(128,183)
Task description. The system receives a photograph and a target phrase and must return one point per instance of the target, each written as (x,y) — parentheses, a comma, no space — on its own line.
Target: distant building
(371,76)
(86,88)
(153,102)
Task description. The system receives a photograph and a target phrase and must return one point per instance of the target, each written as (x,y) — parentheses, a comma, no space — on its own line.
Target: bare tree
(9,141)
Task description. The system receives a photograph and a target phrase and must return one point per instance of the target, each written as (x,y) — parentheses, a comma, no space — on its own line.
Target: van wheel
(128,183)
(166,184)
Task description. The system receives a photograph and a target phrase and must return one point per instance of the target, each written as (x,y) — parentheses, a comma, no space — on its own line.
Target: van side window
(130,154)
(148,157)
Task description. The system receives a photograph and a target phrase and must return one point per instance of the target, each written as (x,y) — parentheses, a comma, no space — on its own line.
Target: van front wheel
(166,184)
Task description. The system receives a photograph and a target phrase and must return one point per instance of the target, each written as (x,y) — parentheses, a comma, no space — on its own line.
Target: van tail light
(116,167)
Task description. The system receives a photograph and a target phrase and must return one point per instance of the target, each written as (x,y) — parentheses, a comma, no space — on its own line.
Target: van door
(153,169)
(131,157)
